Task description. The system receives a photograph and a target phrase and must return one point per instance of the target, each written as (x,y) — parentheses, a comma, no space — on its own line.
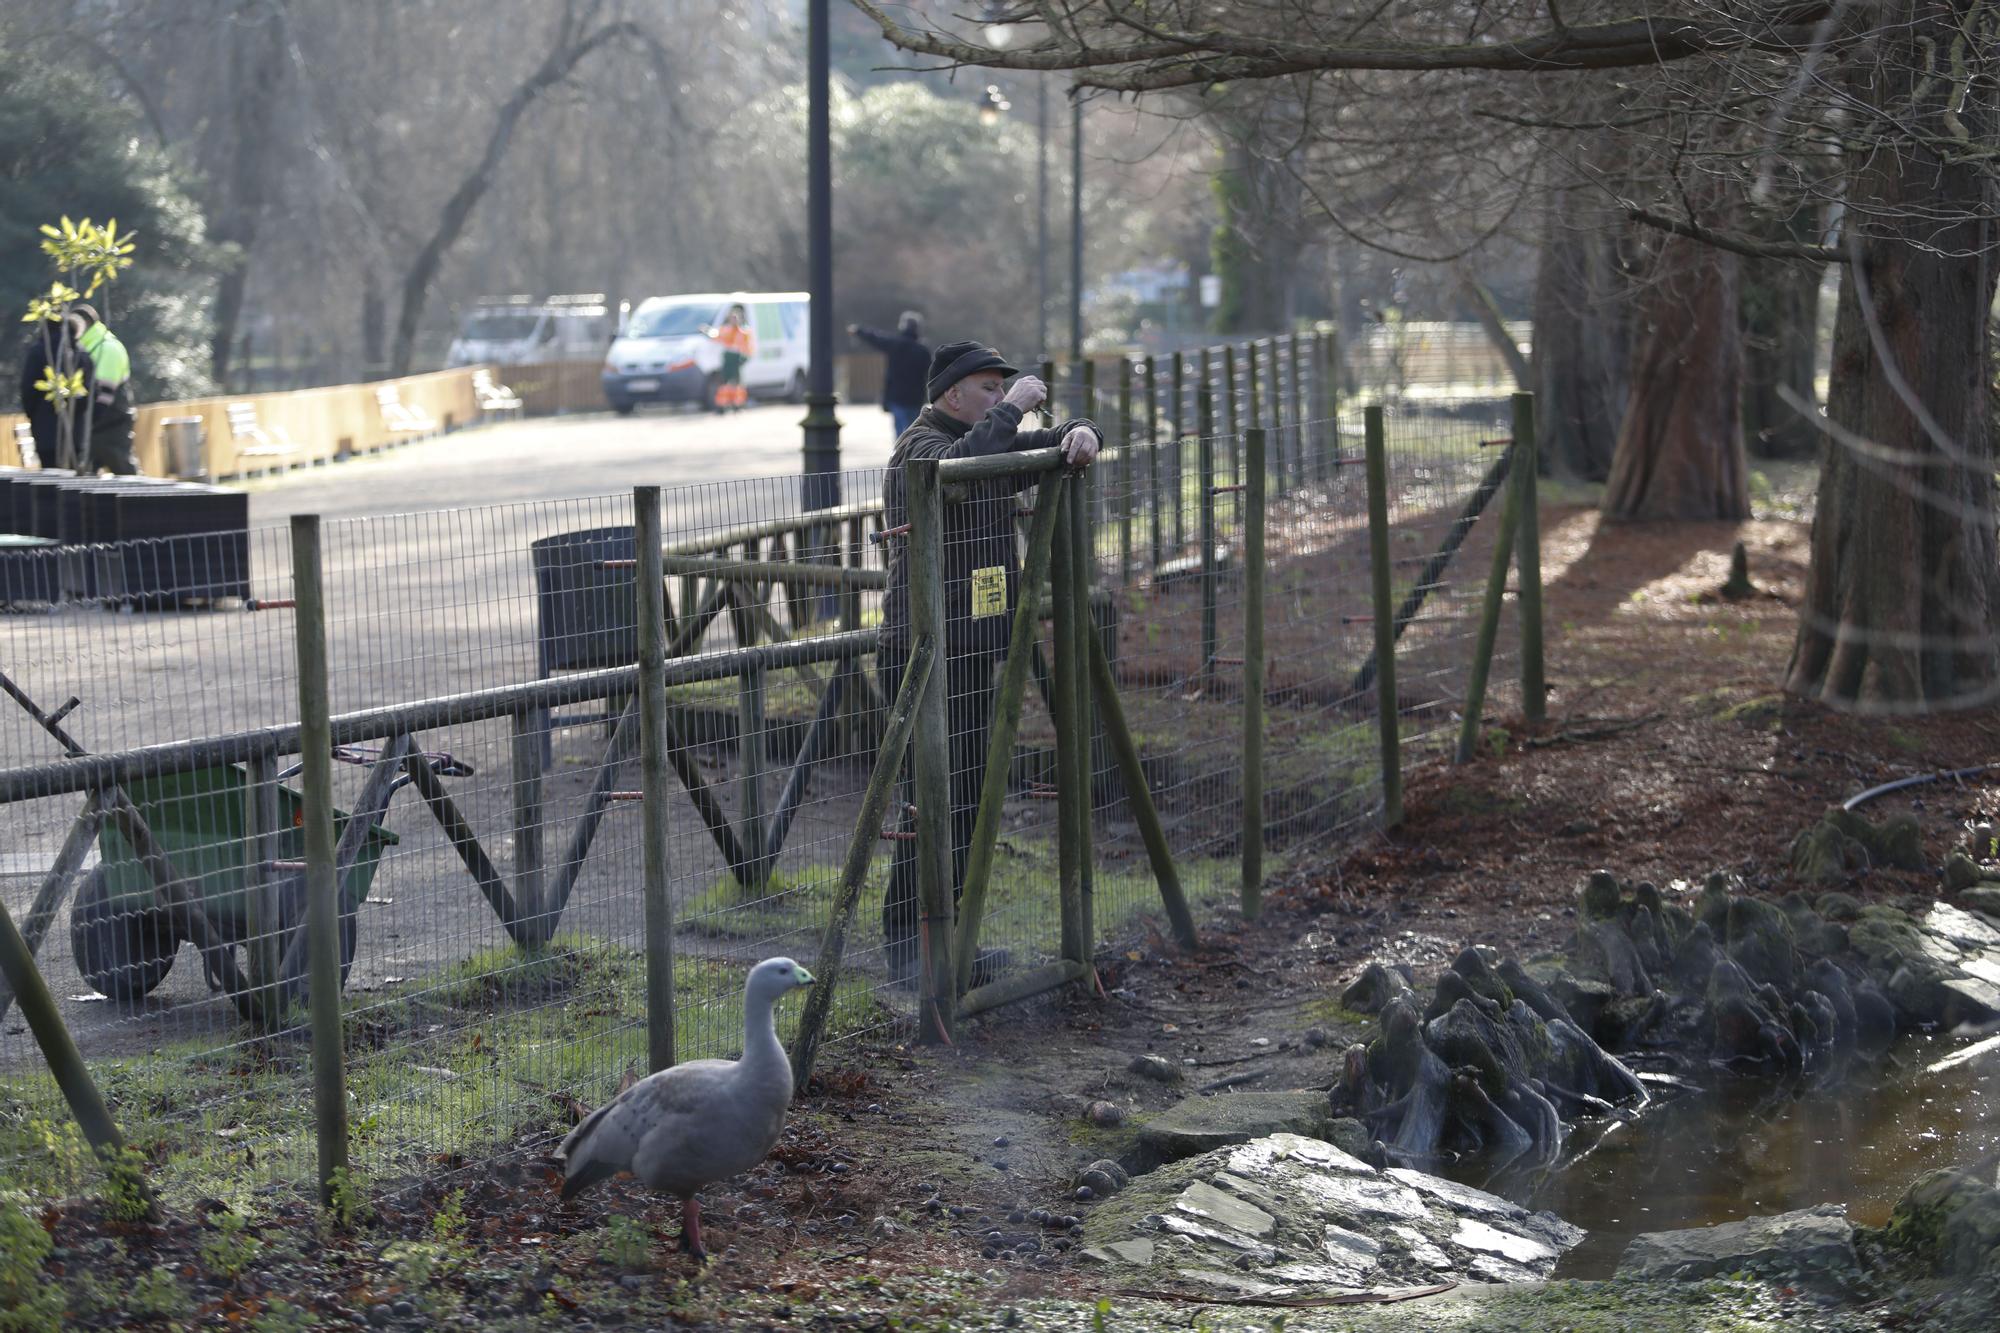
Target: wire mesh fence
(489,861)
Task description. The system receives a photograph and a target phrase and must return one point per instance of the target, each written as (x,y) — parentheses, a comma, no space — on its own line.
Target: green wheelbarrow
(124,940)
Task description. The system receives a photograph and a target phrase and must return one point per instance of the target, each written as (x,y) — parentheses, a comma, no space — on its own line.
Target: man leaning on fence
(972,412)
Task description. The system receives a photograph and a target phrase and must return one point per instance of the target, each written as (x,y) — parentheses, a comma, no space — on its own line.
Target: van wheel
(710,388)
(795,392)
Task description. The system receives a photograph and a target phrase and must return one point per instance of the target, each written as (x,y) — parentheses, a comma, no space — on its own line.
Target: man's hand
(1026,393)
(1080,446)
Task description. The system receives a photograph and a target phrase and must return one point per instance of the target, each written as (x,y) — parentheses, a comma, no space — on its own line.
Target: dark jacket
(979,529)
(909,362)
(41,412)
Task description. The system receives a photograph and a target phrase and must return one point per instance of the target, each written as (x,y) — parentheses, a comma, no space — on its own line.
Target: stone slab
(1819,1239)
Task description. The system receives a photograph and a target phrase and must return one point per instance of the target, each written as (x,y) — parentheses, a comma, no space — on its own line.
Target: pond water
(1747,1147)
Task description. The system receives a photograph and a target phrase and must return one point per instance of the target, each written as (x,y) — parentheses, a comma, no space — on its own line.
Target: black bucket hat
(954,361)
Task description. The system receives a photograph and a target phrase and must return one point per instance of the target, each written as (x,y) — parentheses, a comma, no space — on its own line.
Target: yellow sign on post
(989,591)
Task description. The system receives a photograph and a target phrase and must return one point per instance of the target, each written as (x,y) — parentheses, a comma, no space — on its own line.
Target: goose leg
(691,1228)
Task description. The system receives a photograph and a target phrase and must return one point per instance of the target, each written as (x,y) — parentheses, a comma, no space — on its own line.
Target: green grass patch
(1763,713)
(790,902)
(460,1064)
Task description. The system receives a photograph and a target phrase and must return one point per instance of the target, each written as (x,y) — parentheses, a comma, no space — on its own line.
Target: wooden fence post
(932,760)
(650,587)
(323,888)
(1527,462)
(1377,467)
(1253,675)
(1126,471)
(1489,614)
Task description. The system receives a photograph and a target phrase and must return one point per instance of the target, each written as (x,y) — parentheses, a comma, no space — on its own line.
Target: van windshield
(670,321)
(499,328)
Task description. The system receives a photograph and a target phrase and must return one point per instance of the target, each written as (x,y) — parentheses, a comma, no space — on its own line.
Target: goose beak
(804,979)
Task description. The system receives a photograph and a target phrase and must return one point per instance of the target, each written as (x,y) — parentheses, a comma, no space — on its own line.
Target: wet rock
(1155,1067)
(1377,985)
(1316,1037)
(1950,1222)
(1113,1171)
(1200,1124)
(1812,1241)
(1137,1252)
(1287,1215)
(1104,1115)
(1580,997)
(1985,900)
(1351,1137)
(1100,1184)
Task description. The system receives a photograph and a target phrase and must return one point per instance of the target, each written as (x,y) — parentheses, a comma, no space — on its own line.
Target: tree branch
(1168,59)
(1694,231)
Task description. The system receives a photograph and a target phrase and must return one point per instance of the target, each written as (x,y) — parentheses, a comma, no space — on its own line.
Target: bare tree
(1883,109)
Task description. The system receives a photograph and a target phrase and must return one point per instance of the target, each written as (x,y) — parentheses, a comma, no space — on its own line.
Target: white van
(521,331)
(662,355)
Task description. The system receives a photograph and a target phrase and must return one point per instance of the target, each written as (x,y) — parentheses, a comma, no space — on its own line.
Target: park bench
(398,417)
(494,399)
(257,446)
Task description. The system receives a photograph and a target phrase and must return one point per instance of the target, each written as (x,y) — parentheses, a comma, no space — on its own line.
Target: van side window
(764,320)
(795,319)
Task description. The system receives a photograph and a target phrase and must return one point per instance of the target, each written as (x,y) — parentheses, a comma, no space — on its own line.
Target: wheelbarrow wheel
(121,952)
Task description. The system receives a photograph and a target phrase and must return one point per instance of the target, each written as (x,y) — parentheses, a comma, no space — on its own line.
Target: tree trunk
(1256,248)
(570,48)
(236,210)
(1903,584)
(1780,309)
(1680,450)
(1494,325)
(1582,337)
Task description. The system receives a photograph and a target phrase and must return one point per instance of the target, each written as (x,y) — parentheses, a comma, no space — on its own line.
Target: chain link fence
(485,722)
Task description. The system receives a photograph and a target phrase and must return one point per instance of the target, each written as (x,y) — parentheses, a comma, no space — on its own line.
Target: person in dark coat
(972,412)
(907,369)
(44,417)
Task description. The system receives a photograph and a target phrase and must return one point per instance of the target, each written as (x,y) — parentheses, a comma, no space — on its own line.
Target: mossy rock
(1203,1124)
(1764,713)
(1844,843)
(1984,899)
(1600,899)
(1949,1221)
(1759,939)
(1961,872)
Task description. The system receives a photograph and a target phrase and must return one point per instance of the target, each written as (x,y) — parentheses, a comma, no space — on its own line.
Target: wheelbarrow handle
(441,762)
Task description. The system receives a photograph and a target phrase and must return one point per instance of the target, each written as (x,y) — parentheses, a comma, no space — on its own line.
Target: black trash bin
(586,614)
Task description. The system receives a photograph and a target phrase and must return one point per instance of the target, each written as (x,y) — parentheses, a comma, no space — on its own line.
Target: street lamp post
(1076,234)
(1041,215)
(820,486)
(999,34)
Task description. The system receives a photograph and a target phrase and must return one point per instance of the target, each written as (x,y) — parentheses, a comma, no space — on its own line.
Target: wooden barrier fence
(319,424)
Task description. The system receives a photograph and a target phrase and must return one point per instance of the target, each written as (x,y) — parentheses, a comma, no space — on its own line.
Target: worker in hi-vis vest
(110,413)
(738,346)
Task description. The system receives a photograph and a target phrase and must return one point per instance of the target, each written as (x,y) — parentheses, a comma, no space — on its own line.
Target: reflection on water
(1750,1147)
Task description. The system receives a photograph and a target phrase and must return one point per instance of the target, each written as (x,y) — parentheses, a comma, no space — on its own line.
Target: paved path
(563,458)
(438,600)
